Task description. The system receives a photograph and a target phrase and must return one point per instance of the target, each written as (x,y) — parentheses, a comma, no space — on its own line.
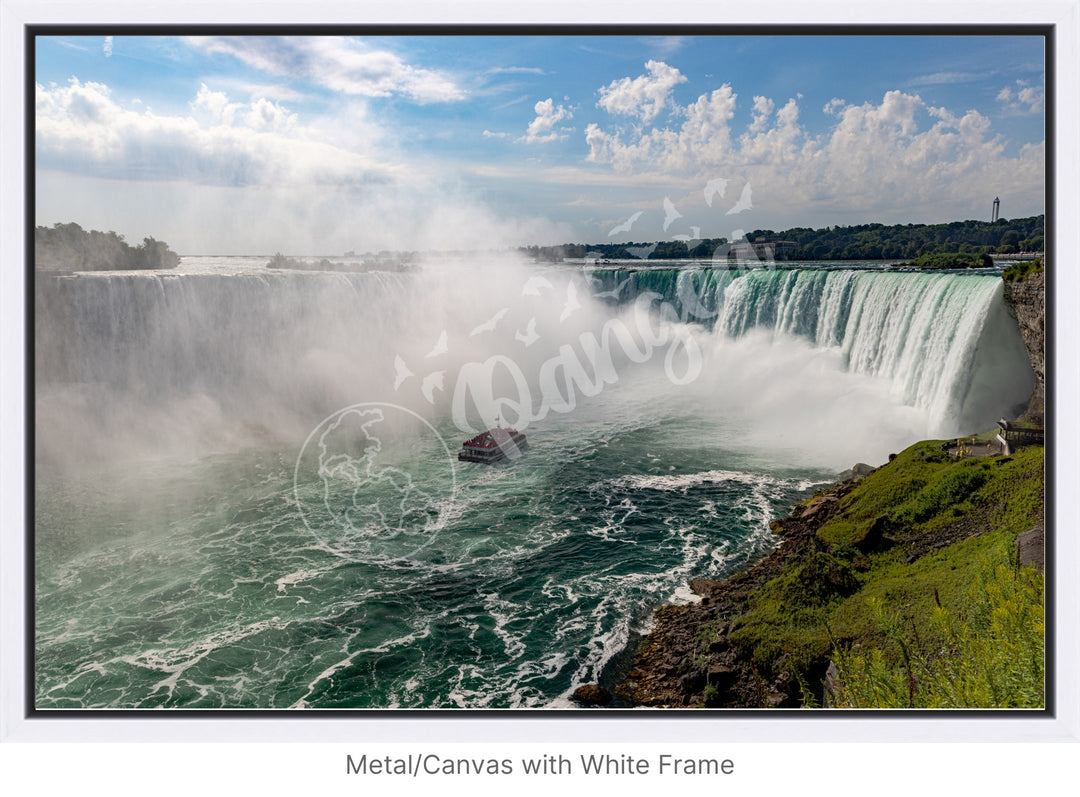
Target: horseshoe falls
(247,493)
(944,341)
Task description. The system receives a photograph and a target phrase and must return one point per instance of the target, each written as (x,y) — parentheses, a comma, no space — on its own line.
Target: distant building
(997,206)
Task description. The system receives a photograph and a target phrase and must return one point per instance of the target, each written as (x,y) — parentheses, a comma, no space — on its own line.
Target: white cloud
(72,45)
(106,47)
(516,70)
(82,130)
(894,154)
(643,97)
(943,78)
(1033,97)
(542,128)
(337,63)
(1024,99)
(833,105)
(763,108)
(490,134)
(271,91)
(666,45)
(703,136)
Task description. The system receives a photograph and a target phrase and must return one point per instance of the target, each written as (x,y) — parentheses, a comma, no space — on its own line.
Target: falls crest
(944,341)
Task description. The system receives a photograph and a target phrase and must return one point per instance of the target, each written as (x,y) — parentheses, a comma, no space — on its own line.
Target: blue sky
(251,145)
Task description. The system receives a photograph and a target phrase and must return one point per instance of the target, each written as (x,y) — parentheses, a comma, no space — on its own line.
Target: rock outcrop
(592,695)
(1026,302)
(1030,547)
(678,666)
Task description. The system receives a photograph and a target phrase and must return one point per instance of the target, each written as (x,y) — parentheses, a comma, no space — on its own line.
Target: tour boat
(493,446)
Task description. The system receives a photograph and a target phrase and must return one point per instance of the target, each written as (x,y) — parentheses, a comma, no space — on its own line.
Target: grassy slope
(906,545)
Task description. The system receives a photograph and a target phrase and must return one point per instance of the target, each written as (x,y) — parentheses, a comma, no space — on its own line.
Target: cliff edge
(1026,302)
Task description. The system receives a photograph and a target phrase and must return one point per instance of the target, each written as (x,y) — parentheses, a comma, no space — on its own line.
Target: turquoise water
(202,586)
(213,531)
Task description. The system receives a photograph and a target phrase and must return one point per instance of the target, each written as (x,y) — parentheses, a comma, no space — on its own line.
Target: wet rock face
(1026,302)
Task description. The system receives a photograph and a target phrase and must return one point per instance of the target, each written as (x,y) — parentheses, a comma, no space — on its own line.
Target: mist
(295,219)
(218,355)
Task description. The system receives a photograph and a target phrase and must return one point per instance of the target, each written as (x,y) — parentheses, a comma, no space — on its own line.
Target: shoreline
(660,654)
(709,653)
(738,648)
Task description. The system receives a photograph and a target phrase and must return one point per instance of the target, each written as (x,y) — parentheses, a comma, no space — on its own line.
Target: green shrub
(951,488)
(954,260)
(987,654)
(1018,272)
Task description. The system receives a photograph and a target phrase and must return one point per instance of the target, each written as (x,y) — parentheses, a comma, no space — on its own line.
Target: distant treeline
(382,263)
(68,247)
(859,242)
(662,250)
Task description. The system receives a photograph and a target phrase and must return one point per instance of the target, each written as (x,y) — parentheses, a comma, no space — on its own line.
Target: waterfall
(166,332)
(139,355)
(148,361)
(944,341)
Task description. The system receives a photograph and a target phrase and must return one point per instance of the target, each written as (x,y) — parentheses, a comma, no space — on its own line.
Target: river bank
(915,534)
(865,566)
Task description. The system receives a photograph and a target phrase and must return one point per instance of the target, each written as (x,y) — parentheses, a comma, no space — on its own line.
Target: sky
(319,145)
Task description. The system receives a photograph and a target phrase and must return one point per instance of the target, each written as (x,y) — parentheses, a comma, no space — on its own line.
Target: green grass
(886,614)
(922,490)
(987,653)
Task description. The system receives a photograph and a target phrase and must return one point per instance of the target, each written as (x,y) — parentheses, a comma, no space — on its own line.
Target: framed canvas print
(472,374)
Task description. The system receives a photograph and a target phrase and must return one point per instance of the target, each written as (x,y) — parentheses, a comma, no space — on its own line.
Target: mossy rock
(819,579)
(871,537)
(864,537)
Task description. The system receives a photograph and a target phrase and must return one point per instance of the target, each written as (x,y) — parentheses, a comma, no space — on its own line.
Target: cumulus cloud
(338,63)
(705,136)
(542,128)
(80,128)
(896,153)
(643,97)
(833,105)
(106,47)
(1022,99)
(763,108)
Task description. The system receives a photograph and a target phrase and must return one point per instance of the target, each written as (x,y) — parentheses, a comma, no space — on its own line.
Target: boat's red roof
(492,438)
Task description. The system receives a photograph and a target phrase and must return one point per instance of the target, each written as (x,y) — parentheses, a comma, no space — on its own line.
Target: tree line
(68,247)
(906,242)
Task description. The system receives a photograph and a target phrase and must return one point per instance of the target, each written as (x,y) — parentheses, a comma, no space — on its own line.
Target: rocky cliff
(1026,301)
